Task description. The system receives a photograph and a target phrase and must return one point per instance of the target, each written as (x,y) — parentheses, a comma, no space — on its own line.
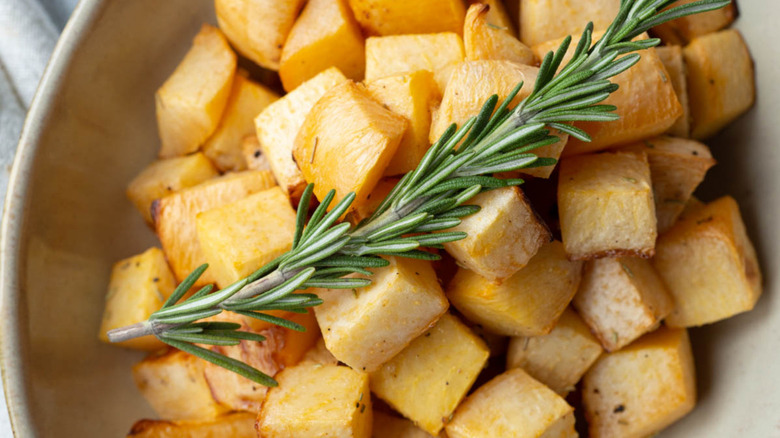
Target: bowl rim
(13,309)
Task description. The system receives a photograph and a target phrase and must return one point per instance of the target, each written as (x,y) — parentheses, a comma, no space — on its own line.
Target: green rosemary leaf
(438,204)
(327,252)
(678,12)
(542,162)
(468,194)
(617,67)
(187,317)
(273,320)
(205,290)
(575,132)
(325,239)
(329,272)
(388,247)
(349,260)
(419,255)
(238,335)
(216,325)
(338,283)
(275,293)
(201,338)
(483,118)
(439,238)
(329,219)
(398,227)
(203,303)
(302,213)
(185,286)
(466,182)
(437,225)
(319,212)
(460,211)
(186,329)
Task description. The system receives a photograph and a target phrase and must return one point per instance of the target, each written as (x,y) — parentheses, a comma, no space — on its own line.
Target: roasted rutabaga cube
(502,237)
(172,382)
(682,30)
(253,154)
(513,405)
(721,83)
(367,327)
(483,39)
(558,359)
(258,28)
(325,35)
(646,103)
(677,167)
(672,58)
(709,265)
(394,17)
(621,299)
(191,101)
(174,217)
(238,425)
(545,20)
(236,248)
(164,177)
(426,381)
(606,205)
(413,96)
(280,122)
(314,400)
(346,142)
(247,99)
(390,426)
(438,53)
(528,303)
(139,286)
(498,15)
(641,389)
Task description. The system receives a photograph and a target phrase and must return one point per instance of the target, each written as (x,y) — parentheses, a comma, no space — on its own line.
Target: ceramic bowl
(92,127)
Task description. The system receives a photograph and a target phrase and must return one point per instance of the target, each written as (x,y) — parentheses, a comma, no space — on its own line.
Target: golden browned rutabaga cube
(483,39)
(346,142)
(646,101)
(498,15)
(502,236)
(721,83)
(621,299)
(472,83)
(641,389)
(413,96)
(317,400)
(242,236)
(172,382)
(320,354)
(191,101)
(672,58)
(428,379)
(139,286)
(606,205)
(682,30)
(709,265)
(174,217)
(438,53)
(390,426)
(558,359)
(325,35)
(253,154)
(258,28)
(395,17)
(283,347)
(367,327)
(164,177)
(280,122)
(545,20)
(677,167)
(247,99)
(528,303)
(238,425)
(513,404)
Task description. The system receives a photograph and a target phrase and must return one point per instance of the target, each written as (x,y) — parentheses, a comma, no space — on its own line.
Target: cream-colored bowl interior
(92,128)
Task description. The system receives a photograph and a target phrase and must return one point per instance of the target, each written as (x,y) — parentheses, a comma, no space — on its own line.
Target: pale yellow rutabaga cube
(709,265)
(163,177)
(139,286)
(683,30)
(242,236)
(426,381)
(641,389)
(677,167)
(438,53)
(237,425)
(558,359)
(247,99)
(528,303)
(621,299)
(390,426)
(396,17)
(320,354)
(545,20)
(279,123)
(317,400)
(413,96)
(483,39)
(502,237)
(369,326)
(606,205)
(172,382)
(191,101)
(672,58)
(721,82)
(513,404)
(174,217)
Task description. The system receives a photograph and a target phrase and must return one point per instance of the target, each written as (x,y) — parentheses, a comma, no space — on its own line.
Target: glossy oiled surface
(92,128)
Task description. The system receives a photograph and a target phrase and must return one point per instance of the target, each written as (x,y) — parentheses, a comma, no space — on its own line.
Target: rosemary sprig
(425,203)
